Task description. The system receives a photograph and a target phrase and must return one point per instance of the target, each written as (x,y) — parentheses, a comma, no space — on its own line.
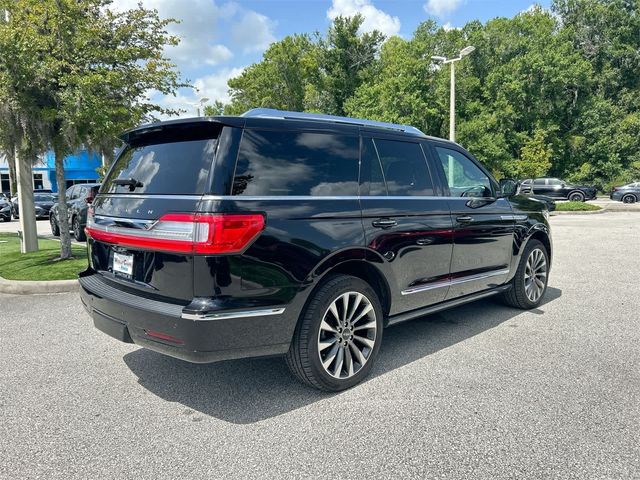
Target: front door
(406,224)
(483,224)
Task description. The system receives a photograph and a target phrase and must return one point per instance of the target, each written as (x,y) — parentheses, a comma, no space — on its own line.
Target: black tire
(78,231)
(517,295)
(55,229)
(629,198)
(303,357)
(576,197)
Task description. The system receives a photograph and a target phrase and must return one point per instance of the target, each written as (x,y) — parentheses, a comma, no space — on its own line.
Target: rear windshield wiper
(131,182)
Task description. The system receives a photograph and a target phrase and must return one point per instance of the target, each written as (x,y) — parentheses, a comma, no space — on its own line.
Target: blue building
(78,168)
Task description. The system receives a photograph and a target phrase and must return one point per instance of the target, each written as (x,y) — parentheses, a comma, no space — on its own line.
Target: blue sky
(220,38)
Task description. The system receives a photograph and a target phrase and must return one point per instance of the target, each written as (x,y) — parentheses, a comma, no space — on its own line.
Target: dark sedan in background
(629,193)
(42,202)
(558,189)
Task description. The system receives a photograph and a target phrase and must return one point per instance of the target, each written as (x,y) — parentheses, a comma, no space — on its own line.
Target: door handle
(384,223)
(424,241)
(464,219)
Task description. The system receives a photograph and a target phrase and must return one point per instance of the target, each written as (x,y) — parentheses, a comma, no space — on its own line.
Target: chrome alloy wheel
(535,275)
(347,335)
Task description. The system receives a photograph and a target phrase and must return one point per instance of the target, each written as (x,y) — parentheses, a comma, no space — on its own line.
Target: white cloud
(448,27)
(253,32)
(197,28)
(213,86)
(440,8)
(374,18)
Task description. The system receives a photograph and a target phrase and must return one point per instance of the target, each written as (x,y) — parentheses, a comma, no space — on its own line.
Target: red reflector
(164,336)
(190,233)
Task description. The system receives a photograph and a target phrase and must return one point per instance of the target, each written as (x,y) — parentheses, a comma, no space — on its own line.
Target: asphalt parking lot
(482,391)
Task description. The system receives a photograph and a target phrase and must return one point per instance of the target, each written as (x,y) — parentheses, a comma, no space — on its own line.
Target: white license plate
(123,263)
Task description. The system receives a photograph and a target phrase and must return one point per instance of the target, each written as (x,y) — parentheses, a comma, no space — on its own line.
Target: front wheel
(529,284)
(576,197)
(338,335)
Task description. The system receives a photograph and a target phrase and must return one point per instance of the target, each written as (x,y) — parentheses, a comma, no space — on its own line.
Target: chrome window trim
(149,196)
(206,197)
(457,281)
(263,312)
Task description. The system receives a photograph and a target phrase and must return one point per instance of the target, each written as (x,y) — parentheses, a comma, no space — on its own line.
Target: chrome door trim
(456,281)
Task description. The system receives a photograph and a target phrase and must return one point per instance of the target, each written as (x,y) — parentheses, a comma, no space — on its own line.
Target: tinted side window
(404,168)
(539,181)
(372,177)
(554,181)
(281,163)
(465,178)
(70,193)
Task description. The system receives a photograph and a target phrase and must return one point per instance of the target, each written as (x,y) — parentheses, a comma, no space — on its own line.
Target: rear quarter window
(285,163)
(173,161)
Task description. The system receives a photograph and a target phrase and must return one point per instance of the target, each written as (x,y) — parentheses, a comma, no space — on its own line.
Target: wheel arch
(543,236)
(362,263)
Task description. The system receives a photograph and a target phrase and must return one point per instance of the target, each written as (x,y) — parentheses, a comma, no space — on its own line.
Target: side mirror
(508,187)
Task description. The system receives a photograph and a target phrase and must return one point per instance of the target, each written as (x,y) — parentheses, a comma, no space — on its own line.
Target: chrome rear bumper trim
(263,312)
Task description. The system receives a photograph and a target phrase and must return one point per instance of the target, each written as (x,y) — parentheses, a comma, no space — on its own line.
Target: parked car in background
(558,189)
(629,193)
(5,209)
(303,235)
(79,197)
(42,203)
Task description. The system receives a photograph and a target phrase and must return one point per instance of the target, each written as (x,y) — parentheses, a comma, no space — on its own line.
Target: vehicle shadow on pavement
(251,390)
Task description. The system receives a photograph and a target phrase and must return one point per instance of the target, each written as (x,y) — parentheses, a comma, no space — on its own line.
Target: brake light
(190,233)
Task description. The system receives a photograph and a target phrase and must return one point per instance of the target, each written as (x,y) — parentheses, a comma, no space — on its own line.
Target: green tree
(535,156)
(81,72)
(279,80)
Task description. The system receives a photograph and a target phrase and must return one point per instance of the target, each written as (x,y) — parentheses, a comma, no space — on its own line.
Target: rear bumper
(161,326)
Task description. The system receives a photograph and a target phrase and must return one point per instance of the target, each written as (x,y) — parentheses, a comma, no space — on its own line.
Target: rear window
(275,163)
(167,161)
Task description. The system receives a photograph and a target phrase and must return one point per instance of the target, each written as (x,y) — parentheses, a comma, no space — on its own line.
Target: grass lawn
(38,265)
(576,207)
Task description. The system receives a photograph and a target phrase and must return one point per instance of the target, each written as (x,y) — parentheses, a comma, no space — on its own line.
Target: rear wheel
(78,231)
(529,284)
(338,335)
(576,197)
(55,229)
(629,198)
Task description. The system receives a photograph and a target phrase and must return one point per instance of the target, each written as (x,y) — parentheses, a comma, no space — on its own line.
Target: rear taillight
(191,233)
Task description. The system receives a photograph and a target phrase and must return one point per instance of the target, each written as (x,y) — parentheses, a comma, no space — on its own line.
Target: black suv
(281,233)
(558,189)
(79,197)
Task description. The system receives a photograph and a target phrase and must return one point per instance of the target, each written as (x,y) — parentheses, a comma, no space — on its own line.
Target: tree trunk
(13,180)
(63,212)
(26,207)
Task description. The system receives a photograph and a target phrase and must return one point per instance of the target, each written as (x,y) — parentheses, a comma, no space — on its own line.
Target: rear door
(483,224)
(161,171)
(406,221)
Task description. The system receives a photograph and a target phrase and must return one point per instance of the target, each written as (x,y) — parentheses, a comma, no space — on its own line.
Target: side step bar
(403,317)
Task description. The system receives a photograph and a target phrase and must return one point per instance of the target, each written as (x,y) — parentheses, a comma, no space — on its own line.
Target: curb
(25,287)
(592,212)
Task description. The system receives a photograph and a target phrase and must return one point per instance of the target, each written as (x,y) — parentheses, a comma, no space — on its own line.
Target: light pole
(452,98)
(200,103)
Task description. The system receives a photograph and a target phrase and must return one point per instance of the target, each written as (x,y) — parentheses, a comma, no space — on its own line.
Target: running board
(403,317)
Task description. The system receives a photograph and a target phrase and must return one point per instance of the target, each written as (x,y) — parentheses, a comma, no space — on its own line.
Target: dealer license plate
(122,263)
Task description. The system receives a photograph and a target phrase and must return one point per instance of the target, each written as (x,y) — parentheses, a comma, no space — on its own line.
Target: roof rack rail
(320,117)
